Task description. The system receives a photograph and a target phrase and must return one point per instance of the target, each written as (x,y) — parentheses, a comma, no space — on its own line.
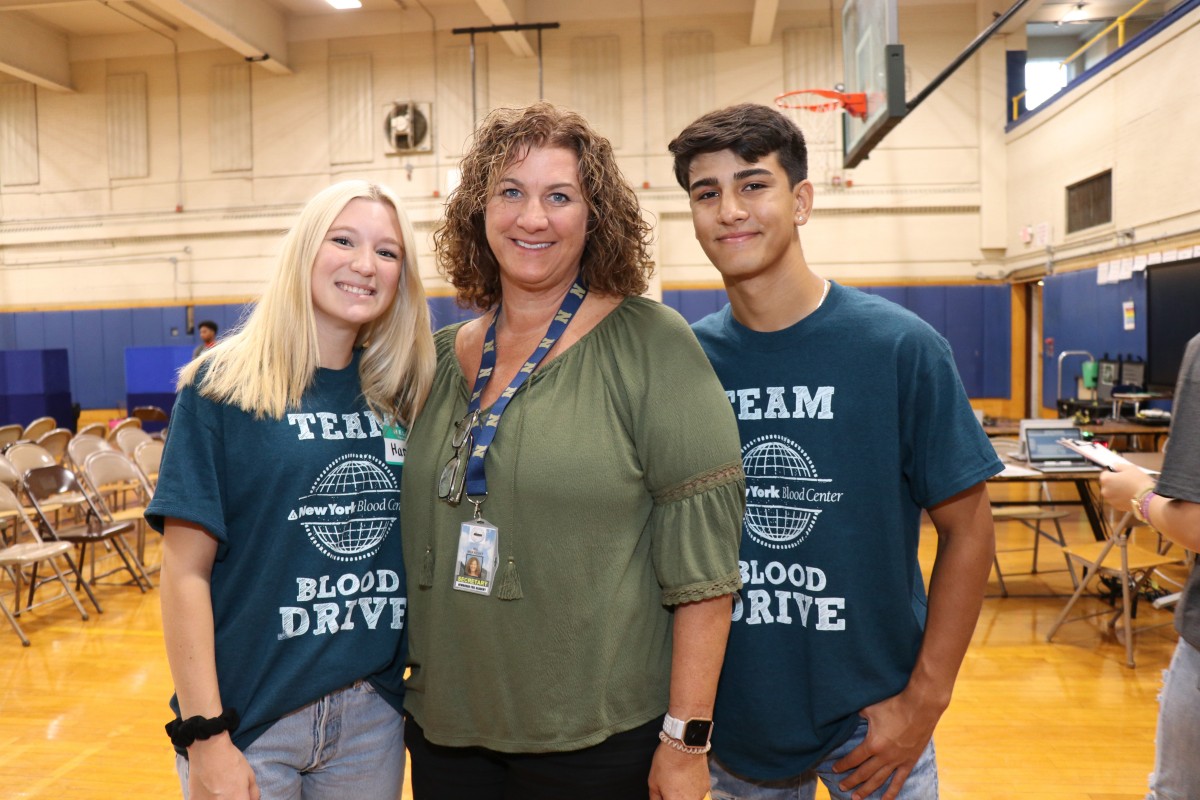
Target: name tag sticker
(395,444)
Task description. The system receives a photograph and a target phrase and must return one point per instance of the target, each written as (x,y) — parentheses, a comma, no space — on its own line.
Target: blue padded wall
(1078,314)
(150,374)
(444,311)
(976,321)
(695,304)
(96,341)
(227,318)
(35,383)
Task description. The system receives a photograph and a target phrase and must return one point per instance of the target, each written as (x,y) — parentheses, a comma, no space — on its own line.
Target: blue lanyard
(485,430)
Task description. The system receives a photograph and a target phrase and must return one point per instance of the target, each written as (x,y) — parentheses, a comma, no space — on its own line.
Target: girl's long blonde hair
(266,365)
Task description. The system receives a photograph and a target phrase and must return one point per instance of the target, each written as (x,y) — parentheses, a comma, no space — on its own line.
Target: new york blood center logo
(352,508)
(784,493)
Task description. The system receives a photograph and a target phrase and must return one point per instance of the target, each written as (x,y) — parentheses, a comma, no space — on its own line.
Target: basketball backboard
(873,61)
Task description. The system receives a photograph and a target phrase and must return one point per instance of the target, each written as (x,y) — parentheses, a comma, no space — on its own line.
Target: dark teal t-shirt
(308,586)
(851,421)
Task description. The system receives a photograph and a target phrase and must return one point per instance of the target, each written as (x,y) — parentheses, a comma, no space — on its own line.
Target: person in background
(853,421)
(283,593)
(579,426)
(1171,505)
(208,336)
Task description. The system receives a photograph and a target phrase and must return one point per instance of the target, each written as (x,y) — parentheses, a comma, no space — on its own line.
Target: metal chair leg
(15,625)
(1088,574)
(999,575)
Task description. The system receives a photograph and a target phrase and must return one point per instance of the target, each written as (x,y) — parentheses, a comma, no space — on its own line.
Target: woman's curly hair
(615,258)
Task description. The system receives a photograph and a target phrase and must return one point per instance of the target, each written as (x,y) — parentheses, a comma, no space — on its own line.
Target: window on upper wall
(1089,202)
(1043,79)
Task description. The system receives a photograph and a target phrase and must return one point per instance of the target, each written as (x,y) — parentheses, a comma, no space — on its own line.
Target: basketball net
(818,113)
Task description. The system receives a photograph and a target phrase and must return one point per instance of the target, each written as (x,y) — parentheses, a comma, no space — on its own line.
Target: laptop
(1047,455)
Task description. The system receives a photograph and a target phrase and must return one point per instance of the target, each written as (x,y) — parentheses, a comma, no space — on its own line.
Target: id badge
(478,554)
(395,444)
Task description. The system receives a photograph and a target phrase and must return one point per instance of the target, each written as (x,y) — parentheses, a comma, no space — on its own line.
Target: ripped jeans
(348,745)
(1176,773)
(922,783)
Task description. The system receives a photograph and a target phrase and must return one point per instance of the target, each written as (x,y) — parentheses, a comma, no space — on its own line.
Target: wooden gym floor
(82,710)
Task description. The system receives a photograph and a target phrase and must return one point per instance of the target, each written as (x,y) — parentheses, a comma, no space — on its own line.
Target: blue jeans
(922,783)
(1176,771)
(347,745)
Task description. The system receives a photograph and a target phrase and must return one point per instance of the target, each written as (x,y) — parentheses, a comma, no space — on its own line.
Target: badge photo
(475,567)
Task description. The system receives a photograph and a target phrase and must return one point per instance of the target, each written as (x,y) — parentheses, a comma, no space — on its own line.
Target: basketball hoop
(824,101)
(817,113)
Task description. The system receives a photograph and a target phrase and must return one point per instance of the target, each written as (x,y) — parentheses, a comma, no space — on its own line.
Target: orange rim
(855,103)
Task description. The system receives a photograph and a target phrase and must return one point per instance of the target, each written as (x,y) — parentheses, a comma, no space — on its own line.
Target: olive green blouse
(615,481)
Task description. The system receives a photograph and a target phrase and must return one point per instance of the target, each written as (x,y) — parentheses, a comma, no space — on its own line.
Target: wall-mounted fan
(408,128)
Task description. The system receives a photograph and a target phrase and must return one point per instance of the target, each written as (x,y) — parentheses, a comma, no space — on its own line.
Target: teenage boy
(208,337)
(853,420)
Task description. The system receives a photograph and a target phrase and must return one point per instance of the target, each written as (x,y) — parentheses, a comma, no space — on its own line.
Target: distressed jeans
(1176,773)
(922,783)
(348,744)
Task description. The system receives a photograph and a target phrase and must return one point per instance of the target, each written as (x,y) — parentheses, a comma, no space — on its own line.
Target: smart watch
(692,732)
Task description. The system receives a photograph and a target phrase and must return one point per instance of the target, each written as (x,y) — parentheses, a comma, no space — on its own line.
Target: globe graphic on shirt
(777,471)
(352,508)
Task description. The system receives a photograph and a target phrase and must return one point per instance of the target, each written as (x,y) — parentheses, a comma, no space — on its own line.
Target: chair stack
(18,557)
(68,501)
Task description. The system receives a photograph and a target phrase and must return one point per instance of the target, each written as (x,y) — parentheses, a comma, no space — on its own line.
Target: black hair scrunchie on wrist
(184,732)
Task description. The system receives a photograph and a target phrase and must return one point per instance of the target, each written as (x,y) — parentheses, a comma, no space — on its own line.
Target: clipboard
(1099,454)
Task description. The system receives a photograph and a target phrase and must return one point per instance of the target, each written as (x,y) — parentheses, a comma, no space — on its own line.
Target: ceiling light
(342,5)
(1074,14)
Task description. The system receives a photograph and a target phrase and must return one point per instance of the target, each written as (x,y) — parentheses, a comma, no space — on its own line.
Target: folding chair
(112,475)
(10,478)
(128,422)
(55,443)
(128,439)
(10,434)
(16,558)
(1031,516)
(1136,566)
(94,429)
(79,448)
(27,455)
(39,426)
(150,414)
(9,475)
(148,457)
(45,485)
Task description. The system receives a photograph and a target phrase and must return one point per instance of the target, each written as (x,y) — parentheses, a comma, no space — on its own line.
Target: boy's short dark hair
(751,131)
(208,323)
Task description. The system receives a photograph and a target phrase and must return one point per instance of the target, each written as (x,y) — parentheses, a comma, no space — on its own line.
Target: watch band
(693,733)
(673,727)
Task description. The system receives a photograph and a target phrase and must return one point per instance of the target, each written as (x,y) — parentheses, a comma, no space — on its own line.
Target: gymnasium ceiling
(40,38)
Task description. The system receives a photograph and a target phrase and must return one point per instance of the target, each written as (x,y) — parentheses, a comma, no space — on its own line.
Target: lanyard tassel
(510,582)
(426,580)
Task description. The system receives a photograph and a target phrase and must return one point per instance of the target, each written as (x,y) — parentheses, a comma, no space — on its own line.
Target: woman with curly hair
(576,441)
